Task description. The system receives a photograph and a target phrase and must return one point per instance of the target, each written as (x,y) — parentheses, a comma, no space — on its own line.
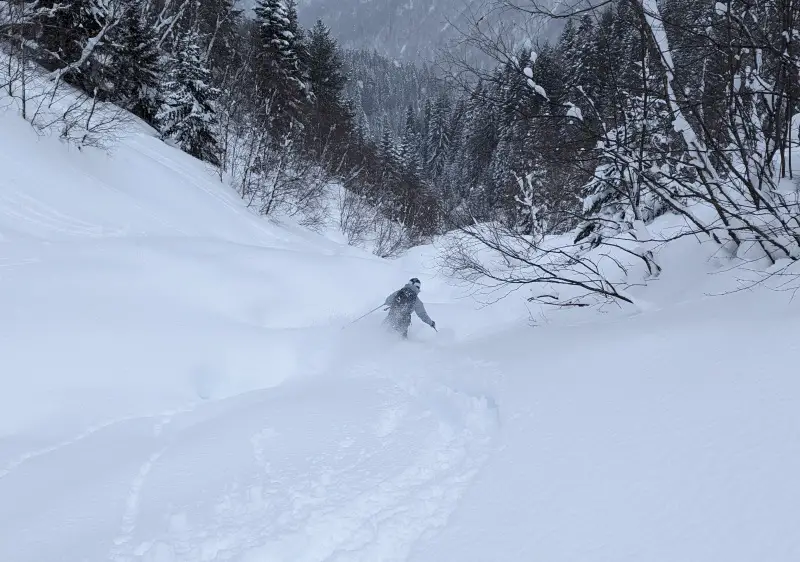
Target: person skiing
(402,303)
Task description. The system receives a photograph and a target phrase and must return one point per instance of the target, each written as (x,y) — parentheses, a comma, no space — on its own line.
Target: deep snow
(180,384)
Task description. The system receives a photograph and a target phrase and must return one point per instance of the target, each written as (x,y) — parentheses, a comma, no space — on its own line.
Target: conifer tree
(188,114)
(325,67)
(438,137)
(390,156)
(136,64)
(410,148)
(329,118)
(278,70)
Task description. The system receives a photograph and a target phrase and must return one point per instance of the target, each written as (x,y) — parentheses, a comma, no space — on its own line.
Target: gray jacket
(419,308)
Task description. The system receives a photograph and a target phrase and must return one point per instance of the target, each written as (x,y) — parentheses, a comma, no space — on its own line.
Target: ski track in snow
(33,211)
(85,434)
(135,492)
(371,488)
(132,503)
(340,508)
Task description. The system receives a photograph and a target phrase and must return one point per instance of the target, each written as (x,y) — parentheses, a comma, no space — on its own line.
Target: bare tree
(275,179)
(14,16)
(492,255)
(661,141)
(356,215)
(390,238)
(43,98)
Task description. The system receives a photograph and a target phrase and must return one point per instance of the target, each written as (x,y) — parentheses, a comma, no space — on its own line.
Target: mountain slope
(411,30)
(181,383)
(408,29)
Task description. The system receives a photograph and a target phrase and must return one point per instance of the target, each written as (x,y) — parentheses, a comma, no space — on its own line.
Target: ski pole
(365,315)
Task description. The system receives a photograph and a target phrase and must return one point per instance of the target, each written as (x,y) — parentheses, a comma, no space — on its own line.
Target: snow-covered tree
(639,160)
(390,155)
(137,69)
(74,41)
(188,114)
(218,22)
(438,141)
(325,67)
(278,66)
(532,214)
(328,120)
(410,160)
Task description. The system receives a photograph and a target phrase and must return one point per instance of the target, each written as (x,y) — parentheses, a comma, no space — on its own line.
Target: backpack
(404,299)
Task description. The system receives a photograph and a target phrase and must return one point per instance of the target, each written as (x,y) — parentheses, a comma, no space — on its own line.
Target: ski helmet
(416,282)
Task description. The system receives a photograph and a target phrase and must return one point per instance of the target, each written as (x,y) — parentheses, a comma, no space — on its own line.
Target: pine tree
(136,64)
(301,48)
(438,137)
(480,143)
(390,156)
(362,124)
(427,114)
(325,67)
(696,31)
(329,119)
(567,44)
(410,149)
(448,186)
(188,115)
(278,70)
(579,55)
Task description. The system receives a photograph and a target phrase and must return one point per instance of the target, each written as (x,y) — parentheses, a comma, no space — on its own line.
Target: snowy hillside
(180,384)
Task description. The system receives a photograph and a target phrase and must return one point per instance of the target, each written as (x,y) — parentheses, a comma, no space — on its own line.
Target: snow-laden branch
(111,21)
(166,24)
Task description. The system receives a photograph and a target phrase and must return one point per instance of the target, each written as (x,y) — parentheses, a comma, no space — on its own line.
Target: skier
(402,303)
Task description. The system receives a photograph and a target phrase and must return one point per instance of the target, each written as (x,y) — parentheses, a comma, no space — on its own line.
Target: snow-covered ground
(180,384)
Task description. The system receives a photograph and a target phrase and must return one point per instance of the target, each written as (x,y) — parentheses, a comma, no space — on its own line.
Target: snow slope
(180,384)
(167,355)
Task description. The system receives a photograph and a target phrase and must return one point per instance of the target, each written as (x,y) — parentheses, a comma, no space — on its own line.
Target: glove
(433,324)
